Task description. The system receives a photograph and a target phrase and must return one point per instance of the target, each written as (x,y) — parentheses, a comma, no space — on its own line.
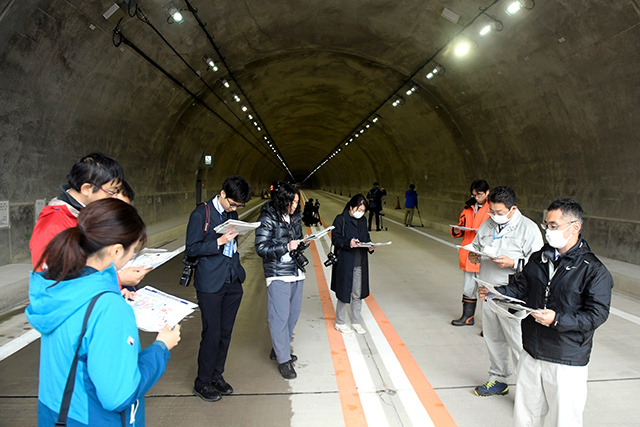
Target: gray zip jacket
(518,240)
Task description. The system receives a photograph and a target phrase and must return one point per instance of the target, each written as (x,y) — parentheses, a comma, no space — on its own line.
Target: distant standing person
(473,215)
(410,203)
(112,373)
(374,199)
(350,275)
(279,234)
(218,282)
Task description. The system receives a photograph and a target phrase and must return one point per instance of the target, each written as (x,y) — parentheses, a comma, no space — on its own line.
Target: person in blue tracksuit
(113,374)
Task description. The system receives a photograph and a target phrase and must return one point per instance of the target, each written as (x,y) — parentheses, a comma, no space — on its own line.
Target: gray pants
(504,341)
(283,310)
(356,302)
(470,286)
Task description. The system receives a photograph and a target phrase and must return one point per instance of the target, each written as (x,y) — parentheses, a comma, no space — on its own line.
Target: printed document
(318,234)
(152,258)
(373,245)
(236,225)
(154,308)
(470,248)
(460,227)
(504,302)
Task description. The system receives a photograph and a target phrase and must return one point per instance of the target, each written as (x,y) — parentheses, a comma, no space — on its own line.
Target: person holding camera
(278,244)
(350,275)
(218,281)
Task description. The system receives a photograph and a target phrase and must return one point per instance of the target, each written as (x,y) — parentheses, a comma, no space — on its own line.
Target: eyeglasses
(554,226)
(480,194)
(111,193)
(235,205)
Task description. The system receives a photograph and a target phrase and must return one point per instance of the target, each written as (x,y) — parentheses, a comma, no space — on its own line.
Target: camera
(332,259)
(298,256)
(190,264)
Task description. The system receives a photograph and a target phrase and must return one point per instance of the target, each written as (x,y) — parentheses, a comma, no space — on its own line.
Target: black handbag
(190,263)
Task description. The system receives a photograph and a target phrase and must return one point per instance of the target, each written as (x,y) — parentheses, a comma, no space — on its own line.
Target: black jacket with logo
(579,293)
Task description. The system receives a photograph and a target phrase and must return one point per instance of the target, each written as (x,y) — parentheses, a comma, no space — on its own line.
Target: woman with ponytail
(112,373)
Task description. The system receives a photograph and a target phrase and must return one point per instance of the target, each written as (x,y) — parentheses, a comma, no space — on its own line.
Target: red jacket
(54,218)
(471,220)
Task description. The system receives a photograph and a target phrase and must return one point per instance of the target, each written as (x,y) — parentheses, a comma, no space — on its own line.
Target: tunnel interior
(332,95)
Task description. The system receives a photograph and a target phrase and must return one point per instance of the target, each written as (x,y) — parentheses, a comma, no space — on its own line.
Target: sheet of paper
(505,301)
(373,245)
(152,258)
(318,234)
(470,248)
(154,308)
(238,226)
(459,227)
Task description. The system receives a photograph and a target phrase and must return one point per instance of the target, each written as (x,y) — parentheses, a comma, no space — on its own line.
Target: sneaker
(287,371)
(223,387)
(207,392)
(272,356)
(358,328)
(492,388)
(345,329)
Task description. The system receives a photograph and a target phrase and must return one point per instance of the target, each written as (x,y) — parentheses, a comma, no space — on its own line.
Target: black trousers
(218,311)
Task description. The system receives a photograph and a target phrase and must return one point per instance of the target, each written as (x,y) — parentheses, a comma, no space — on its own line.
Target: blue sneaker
(492,388)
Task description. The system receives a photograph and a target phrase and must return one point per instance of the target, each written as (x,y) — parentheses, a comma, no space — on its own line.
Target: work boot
(468,312)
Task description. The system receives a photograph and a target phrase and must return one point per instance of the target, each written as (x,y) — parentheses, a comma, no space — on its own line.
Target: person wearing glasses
(473,215)
(218,282)
(571,290)
(508,239)
(277,238)
(94,177)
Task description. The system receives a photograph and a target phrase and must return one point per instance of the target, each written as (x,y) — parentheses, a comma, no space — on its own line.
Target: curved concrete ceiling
(548,105)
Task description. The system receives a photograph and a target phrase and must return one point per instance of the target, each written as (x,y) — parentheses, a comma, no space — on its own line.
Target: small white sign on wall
(40,204)
(4,214)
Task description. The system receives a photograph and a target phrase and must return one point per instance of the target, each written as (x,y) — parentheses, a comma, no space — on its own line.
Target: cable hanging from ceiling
(208,59)
(430,67)
(256,121)
(119,38)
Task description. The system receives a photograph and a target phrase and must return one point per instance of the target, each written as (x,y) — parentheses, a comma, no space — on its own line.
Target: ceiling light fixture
(210,63)
(513,8)
(397,101)
(462,48)
(437,70)
(174,14)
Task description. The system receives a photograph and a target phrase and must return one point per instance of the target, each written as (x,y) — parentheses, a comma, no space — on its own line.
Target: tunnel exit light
(208,160)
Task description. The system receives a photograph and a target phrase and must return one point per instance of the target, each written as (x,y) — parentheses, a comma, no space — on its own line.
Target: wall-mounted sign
(208,160)
(40,204)
(4,214)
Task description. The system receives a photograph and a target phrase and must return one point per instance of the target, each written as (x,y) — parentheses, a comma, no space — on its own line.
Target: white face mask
(501,219)
(556,238)
(358,214)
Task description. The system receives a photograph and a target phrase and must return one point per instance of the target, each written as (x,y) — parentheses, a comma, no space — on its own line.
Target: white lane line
(625,315)
(415,230)
(366,388)
(371,402)
(18,344)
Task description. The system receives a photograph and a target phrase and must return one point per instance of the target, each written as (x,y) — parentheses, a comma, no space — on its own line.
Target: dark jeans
(218,311)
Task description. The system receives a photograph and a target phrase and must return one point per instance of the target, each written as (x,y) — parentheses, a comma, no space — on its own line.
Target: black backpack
(371,198)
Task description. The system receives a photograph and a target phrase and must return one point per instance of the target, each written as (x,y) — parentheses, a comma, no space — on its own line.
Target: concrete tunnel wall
(549,105)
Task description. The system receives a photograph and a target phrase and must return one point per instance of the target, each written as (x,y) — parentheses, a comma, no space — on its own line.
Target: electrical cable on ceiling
(405,82)
(119,38)
(139,13)
(202,25)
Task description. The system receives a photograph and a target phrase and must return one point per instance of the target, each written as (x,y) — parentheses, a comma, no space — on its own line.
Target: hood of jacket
(50,306)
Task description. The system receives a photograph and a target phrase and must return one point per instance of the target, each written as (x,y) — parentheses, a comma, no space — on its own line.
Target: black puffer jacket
(579,293)
(272,240)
